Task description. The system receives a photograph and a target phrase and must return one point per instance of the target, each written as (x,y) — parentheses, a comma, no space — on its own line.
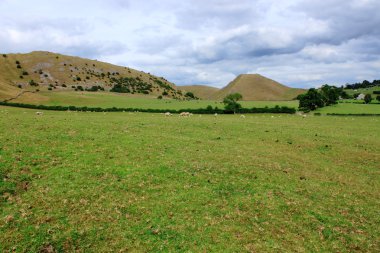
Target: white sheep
(39,113)
(242,116)
(167,114)
(184,114)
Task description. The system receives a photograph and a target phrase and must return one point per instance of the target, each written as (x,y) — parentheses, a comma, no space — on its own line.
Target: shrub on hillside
(33,83)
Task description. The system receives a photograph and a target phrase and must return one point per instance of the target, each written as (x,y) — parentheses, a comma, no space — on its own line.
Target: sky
(300,43)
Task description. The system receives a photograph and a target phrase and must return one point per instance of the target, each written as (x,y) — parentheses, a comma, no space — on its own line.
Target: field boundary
(276,109)
(353,114)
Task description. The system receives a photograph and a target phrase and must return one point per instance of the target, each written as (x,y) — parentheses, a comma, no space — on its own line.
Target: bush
(64,85)
(17,62)
(4,55)
(33,83)
(165,93)
(18,66)
(378,98)
(190,95)
(20,86)
(25,73)
(159,97)
(367,98)
(21,77)
(50,88)
(78,78)
(376,92)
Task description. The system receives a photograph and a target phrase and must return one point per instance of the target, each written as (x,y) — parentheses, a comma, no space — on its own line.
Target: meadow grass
(117,182)
(353,108)
(109,99)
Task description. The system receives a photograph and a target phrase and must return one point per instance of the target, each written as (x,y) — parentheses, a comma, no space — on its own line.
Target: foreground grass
(110,99)
(94,182)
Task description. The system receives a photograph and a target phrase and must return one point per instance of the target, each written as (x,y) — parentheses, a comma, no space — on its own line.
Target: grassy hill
(259,88)
(200,91)
(50,71)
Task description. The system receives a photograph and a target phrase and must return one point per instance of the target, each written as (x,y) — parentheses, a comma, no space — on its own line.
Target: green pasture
(109,99)
(351,108)
(140,182)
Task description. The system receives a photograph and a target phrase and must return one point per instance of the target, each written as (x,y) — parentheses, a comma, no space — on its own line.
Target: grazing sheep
(184,114)
(167,114)
(242,116)
(215,115)
(39,113)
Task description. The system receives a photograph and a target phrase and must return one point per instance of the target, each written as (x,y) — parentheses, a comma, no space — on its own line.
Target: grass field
(108,99)
(117,182)
(347,108)
(364,91)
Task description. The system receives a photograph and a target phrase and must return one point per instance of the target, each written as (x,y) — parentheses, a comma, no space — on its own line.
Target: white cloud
(299,42)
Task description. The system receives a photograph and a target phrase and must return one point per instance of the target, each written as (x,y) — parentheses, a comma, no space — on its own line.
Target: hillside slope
(50,71)
(259,88)
(200,91)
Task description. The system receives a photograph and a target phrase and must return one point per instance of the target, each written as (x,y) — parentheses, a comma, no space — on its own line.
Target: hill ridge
(43,70)
(258,87)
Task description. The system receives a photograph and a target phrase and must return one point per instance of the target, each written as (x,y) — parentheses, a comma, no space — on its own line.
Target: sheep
(215,115)
(184,114)
(242,116)
(167,114)
(39,113)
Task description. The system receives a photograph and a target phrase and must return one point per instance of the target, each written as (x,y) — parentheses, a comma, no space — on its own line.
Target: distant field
(107,99)
(365,91)
(348,108)
(140,182)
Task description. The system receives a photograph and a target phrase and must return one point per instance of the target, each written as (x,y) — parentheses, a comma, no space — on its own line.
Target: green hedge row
(353,114)
(276,109)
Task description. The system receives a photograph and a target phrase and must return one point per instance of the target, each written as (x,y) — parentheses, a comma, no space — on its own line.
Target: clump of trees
(364,84)
(317,98)
(230,102)
(190,95)
(130,85)
(95,88)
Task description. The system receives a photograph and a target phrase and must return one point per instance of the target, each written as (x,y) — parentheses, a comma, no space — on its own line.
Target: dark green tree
(190,95)
(311,100)
(230,102)
(367,98)
(330,94)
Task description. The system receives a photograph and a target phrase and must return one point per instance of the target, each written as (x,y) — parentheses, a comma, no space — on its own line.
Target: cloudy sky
(301,43)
